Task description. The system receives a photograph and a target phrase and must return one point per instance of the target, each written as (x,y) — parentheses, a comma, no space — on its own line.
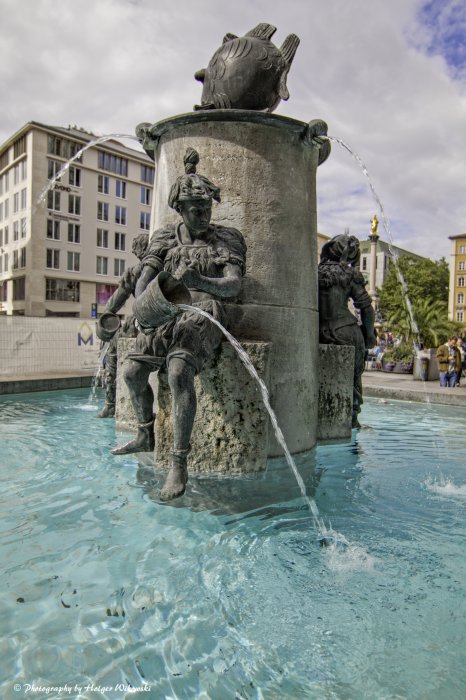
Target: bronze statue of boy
(210,261)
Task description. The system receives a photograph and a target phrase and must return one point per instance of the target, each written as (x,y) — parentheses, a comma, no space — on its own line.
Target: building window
(147,174)
(119,267)
(102,211)
(23,198)
(53,200)
(462,250)
(16,203)
(460,281)
(144,221)
(19,147)
(1,211)
(53,259)
(73,261)
(53,167)
(15,230)
(1,237)
(74,233)
(7,207)
(101,265)
(461,265)
(114,164)
(16,174)
(61,290)
(120,189)
(120,241)
(103,184)
(145,195)
(363,263)
(64,148)
(74,204)
(103,292)
(460,298)
(4,159)
(24,169)
(19,258)
(459,315)
(102,238)
(54,145)
(120,216)
(19,288)
(23,228)
(5,262)
(3,291)
(5,235)
(53,229)
(74,177)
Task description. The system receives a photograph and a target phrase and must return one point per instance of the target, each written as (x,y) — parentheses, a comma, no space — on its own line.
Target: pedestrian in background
(460,346)
(449,362)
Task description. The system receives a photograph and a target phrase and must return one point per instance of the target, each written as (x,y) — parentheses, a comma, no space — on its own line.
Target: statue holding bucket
(197,263)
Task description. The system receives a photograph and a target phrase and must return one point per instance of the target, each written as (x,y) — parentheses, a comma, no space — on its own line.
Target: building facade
(62,251)
(457,290)
(384,256)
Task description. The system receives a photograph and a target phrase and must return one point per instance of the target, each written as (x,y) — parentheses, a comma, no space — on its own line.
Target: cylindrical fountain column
(266,167)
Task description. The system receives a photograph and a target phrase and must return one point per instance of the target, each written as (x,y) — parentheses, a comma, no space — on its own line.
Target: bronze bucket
(107,325)
(158,302)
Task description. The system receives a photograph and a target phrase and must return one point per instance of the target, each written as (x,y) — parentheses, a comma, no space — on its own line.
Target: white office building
(64,256)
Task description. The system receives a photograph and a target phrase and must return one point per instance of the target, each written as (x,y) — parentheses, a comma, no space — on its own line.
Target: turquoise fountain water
(224,594)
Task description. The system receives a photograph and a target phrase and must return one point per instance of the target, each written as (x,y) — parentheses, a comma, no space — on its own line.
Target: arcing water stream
(326,535)
(386,225)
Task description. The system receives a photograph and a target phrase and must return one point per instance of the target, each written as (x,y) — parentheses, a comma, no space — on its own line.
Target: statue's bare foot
(143,442)
(175,483)
(108,411)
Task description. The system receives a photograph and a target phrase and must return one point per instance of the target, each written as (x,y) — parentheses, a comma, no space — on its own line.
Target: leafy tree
(417,288)
(424,279)
(432,326)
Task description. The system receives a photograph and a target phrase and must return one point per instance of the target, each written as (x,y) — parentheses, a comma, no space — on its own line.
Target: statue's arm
(120,296)
(225,287)
(363,303)
(149,272)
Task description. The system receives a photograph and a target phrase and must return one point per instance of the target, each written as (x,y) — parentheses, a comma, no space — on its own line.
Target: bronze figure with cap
(340,280)
(208,261)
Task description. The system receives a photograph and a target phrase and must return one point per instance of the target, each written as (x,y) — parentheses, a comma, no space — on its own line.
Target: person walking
(449,362)
(460,346)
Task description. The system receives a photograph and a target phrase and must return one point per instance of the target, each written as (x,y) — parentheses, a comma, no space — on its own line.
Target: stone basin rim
(150,134)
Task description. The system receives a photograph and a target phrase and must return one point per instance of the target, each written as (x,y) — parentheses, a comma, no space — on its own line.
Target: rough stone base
(231,428)
(336,370)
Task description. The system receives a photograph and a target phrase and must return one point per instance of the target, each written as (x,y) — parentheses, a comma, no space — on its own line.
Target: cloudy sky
(388,76)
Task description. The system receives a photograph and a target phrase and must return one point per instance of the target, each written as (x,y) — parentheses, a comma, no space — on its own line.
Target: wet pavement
(388,385)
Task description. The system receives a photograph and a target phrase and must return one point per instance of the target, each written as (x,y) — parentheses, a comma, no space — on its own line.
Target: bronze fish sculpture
(248,72)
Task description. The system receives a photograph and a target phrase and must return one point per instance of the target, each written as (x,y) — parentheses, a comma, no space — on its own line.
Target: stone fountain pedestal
(265,165)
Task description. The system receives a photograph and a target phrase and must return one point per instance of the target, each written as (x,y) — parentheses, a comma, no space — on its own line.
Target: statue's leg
(108,410)
(359,363)
(181,381)
(136,375)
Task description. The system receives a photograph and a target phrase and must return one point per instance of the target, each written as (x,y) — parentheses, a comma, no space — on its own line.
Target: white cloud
(111,64)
